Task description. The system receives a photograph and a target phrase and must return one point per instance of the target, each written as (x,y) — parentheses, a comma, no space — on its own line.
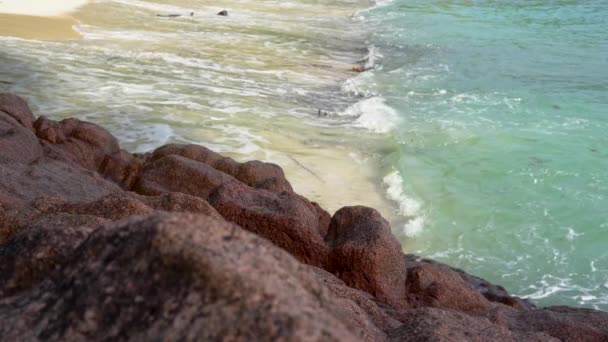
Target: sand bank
(32,19)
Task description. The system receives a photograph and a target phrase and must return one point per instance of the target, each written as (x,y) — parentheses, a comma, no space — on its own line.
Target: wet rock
(286,219)
(365,254)
(223,13)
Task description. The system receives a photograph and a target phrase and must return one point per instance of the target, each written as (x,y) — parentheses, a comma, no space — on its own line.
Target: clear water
(502,138)
(480,131)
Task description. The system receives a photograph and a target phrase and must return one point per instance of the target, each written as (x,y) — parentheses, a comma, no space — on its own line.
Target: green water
(503,109)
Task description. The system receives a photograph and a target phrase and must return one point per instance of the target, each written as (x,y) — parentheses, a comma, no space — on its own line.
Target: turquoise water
(502,138)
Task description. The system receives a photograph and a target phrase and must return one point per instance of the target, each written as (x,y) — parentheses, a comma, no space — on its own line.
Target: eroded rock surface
(183,244)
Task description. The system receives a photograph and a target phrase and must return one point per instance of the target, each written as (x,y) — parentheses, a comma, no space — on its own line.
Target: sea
(479,128)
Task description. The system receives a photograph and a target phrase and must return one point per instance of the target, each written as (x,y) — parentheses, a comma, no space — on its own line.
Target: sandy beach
(32,19)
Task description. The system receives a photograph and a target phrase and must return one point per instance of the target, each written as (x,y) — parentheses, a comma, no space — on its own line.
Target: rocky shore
(182,243)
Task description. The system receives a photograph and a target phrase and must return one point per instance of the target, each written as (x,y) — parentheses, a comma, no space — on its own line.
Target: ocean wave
(373,114)
(408,207)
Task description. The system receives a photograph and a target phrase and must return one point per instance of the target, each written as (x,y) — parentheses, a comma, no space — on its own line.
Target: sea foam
(408,207)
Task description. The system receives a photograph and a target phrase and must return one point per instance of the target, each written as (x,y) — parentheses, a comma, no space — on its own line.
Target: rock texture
(183,244)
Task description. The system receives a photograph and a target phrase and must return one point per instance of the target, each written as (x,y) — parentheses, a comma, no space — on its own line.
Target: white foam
(572,234)
(373,54)
(408,207)
(361,85)
(373,114)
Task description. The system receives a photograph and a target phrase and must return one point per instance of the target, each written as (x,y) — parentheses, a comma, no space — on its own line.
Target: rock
(46,177)
(122,168)
(443,289)
(18,109)
(360,305)
(562,323)
(430,324)
(149,279)
(223,13)
(18,143)
(493,293)
(82,142)
(286,219)
(35,253)
(175,173)
(365,254)
(253,173)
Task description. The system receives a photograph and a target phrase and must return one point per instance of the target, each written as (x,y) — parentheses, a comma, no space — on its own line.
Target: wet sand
(36,27)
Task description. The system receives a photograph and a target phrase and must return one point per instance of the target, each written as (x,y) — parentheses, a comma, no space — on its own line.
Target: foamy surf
(409,208)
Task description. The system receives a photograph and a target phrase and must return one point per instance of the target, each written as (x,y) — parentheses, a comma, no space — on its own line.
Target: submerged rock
(185,244)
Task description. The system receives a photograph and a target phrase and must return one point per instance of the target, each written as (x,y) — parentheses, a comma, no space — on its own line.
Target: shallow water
(251,85)
(502,139)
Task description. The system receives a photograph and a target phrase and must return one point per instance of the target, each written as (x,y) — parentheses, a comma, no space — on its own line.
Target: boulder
(254,173)
(18,143)
(288,220)
(176,277)
(18,109)
(175,173)
(366,255)
(429,285)
(82,142)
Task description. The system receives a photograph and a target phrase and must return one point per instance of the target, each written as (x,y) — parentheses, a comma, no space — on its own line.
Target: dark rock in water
(172,15)
(223,13)
(183,243)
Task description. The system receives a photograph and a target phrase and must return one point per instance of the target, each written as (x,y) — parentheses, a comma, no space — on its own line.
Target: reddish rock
(444,289)
(122,168)
(35,253)
(562,323)
(18,109)
(149,279)
(366,255)
(45,177)
(18,144)
(430,324)
(286,219)
(493,293)
(360,305)
(175,173)
(255,173)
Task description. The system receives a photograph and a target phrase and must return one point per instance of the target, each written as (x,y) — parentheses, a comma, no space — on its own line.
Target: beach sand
(33,19)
